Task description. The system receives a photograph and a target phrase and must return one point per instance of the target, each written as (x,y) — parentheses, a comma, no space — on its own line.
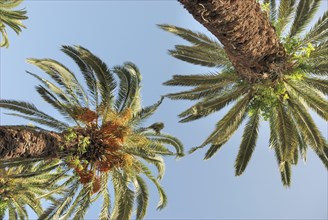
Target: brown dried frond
(86,176)
(96,184)
(85,115)
(126,116)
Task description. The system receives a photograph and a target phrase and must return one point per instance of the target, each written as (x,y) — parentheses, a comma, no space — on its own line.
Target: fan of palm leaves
(10,18)
(25,185)
(281,98)
(104,138)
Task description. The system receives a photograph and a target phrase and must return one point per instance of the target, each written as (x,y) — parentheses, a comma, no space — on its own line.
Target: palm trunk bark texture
(21,142)
(248,37)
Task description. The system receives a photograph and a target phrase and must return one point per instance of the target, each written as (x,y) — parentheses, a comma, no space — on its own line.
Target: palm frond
(210,105)
(273,10)
(24,189)
(55,90)
(286,134)
(128,88)
(57,209)
(202,79)
(204,51)
(105,78)
(10,3)
(285,12)
(61,75)
(302,146)
(20,210)
(142,197)
(124,196)
(284,167)
(57,126)
(321,49)
(318,32)
(30,112)
(317,83)
(306,125)
(86,70)
(11,18)
(226,127)
(35,205)
(82,202)
(315,101)
(163,199)
(196,38)
(201,91)
(201,55)
(248,142)
(35,173)
(168,139)
(148,111)
(305,12)
(324,156)
(105,208)
(54,102)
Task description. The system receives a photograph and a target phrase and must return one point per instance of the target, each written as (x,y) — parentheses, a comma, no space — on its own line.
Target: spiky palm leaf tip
(10,18)
(282,98)
(104,139)
(25,185)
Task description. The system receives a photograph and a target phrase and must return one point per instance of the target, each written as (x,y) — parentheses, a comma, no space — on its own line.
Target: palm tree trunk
(245,32)
(21,142)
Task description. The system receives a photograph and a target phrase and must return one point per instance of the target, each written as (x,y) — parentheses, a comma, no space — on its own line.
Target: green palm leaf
(11,18)
(318,32)
(284,166)
(142,197)
(205,52)
(123,197)
(315,100)
(273,10)
(202,79)
(226,127)
(196,38)
(248,142)
(305,12)
(24,185)
(317,83)
(285,11)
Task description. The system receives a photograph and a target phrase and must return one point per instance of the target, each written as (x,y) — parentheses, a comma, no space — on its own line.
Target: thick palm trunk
(246,33)
(21,142)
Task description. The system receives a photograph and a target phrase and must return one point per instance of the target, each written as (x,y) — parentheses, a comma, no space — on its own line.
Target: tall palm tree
(22,186)
(11,18)
(282,94)
(103,139)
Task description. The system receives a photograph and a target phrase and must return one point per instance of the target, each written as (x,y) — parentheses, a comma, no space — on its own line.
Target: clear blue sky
(119,31)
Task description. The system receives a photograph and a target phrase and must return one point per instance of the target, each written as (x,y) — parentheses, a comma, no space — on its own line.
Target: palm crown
(22,186)
(282,98)
(107,140)
(10,18)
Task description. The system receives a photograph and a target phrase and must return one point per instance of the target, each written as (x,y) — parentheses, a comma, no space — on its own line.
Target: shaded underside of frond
(212,103)
(226,127)
(248,142)
(304,13)
(285,10)
(318,32)
(311,97)
(283,166)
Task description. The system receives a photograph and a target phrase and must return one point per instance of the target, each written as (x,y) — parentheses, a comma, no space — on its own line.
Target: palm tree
(10,18)
(22,186)
(282,94)
(103,139)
